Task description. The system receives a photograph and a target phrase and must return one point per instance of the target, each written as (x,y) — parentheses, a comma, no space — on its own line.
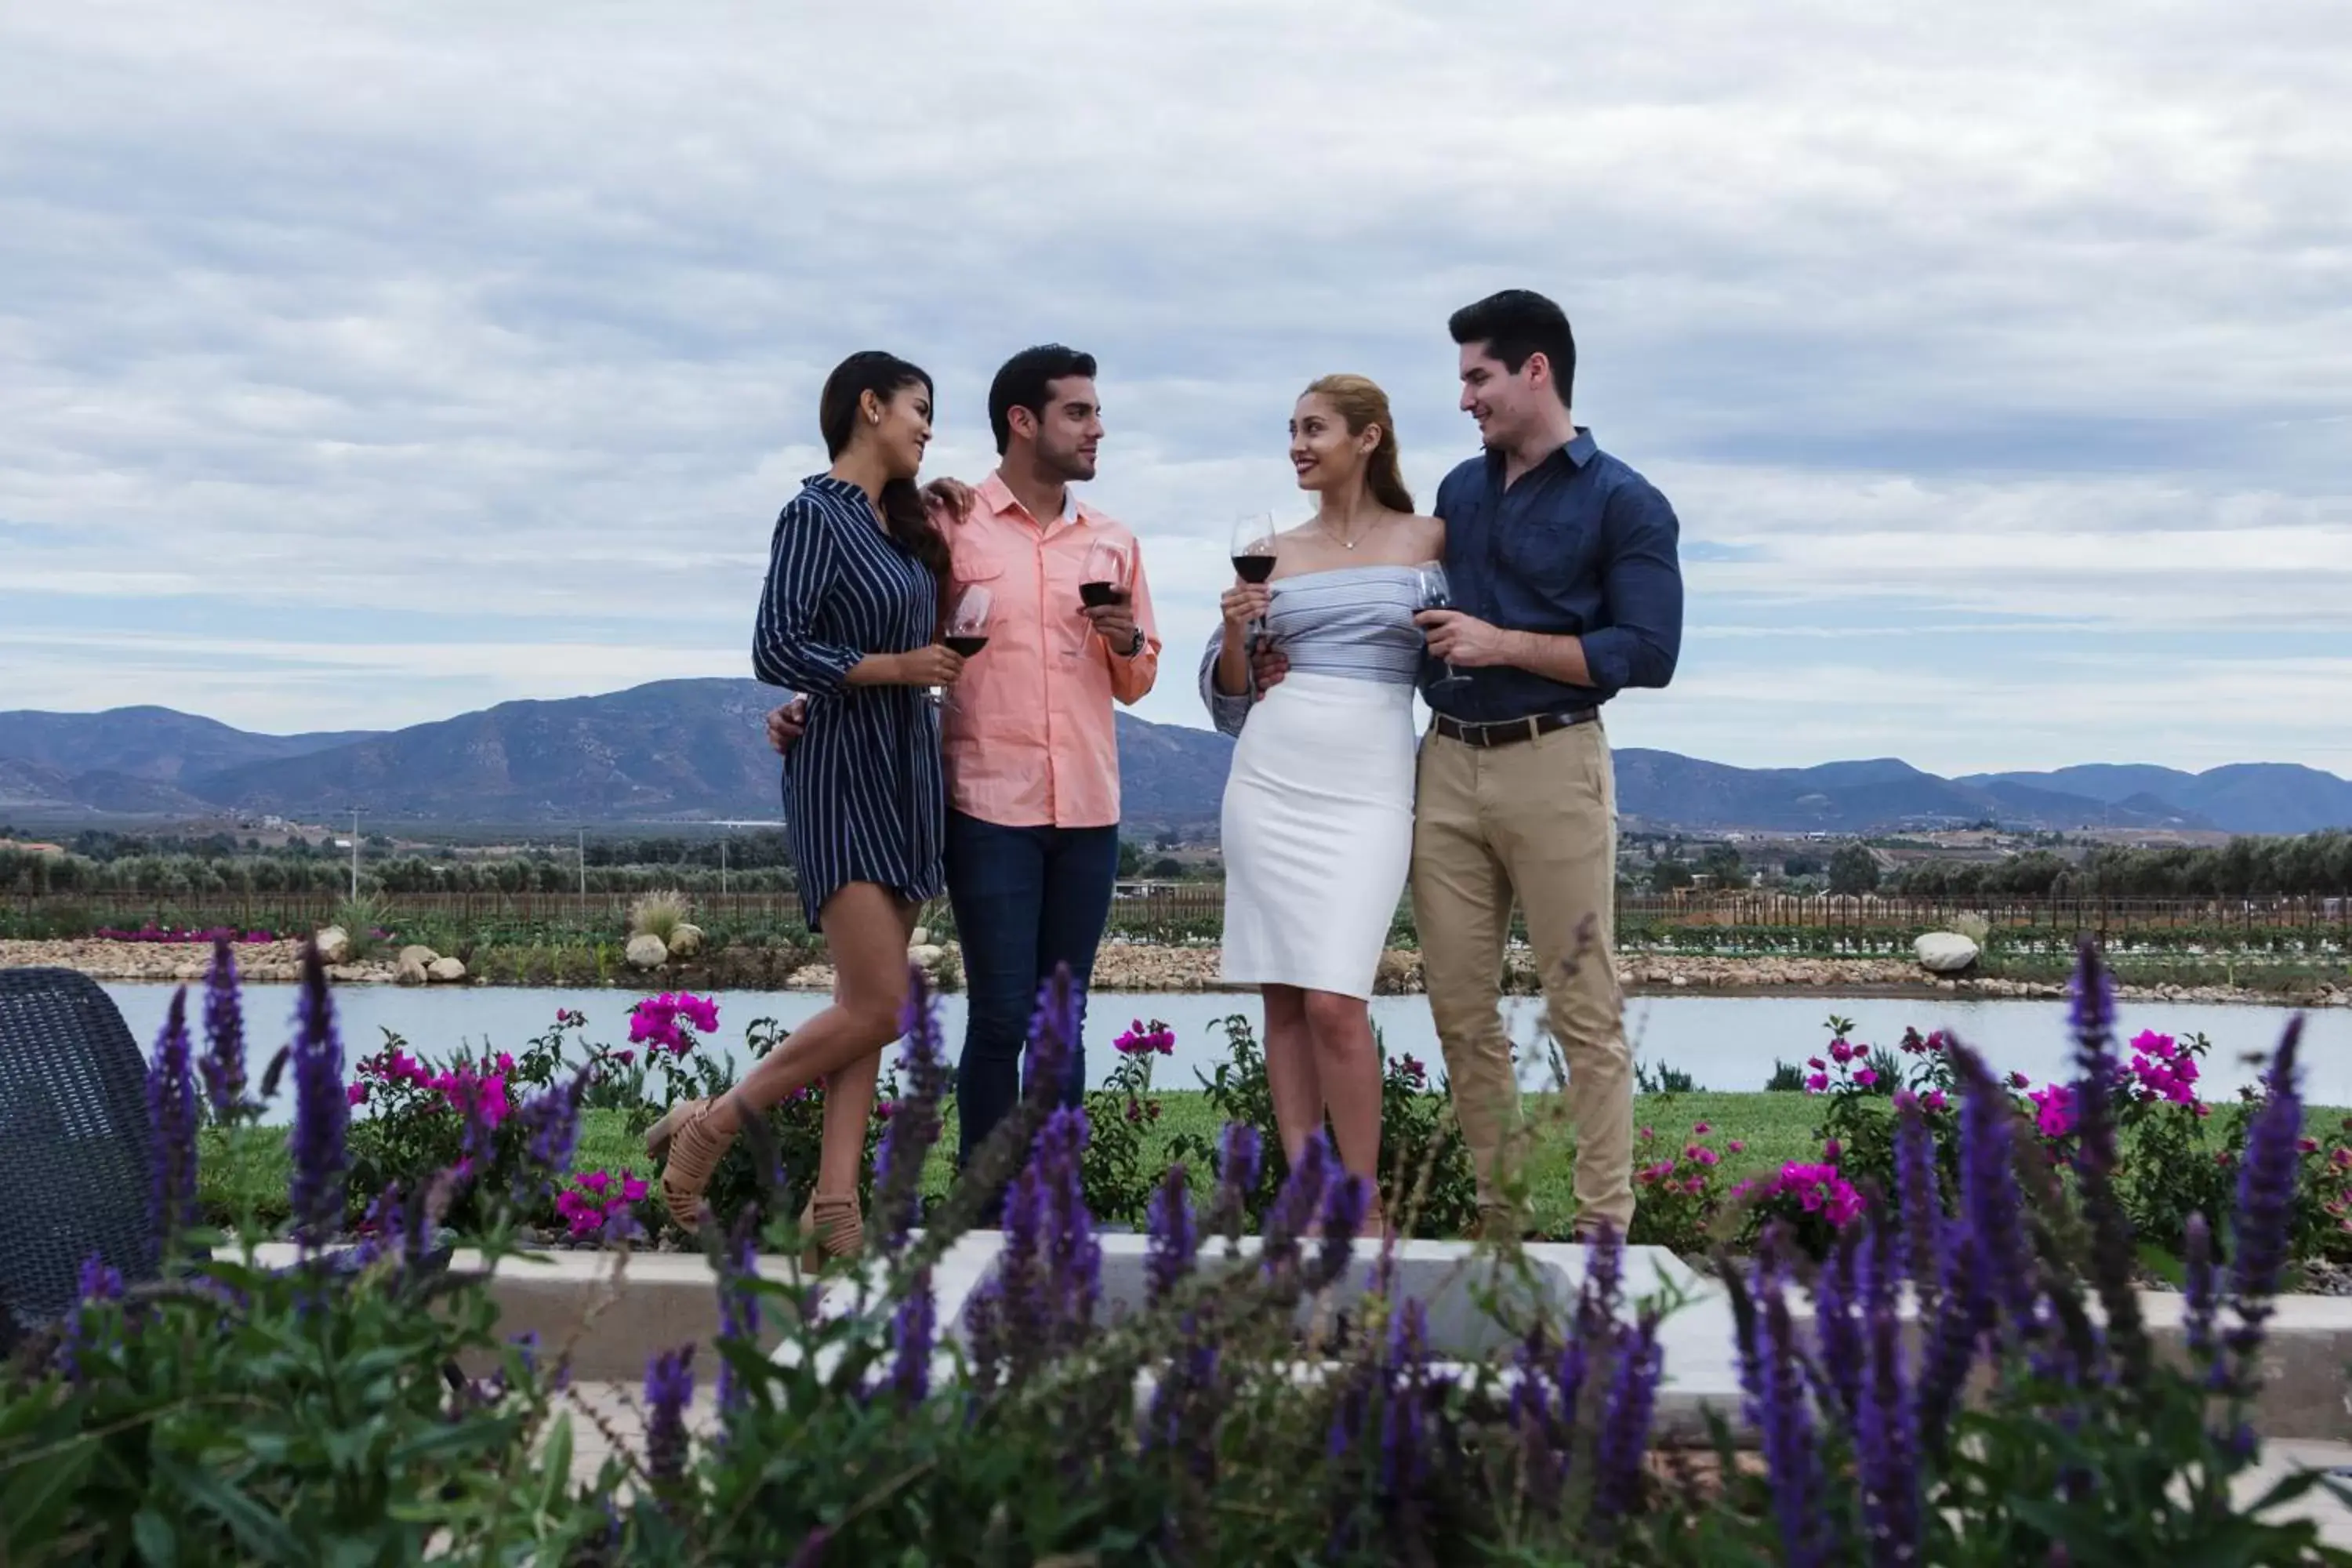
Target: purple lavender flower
(2199,1300)
(1074,1261)
(1625,1434)
(550,1121)
(1055,1032)
(1887,1420)
(1775,1384)
(2266,1179)
(669,1387)
(321,1114)
(739,1300)
(1923,1202)
(223,1060)
(1299,1203)
(914,1126)
(912,1329)
(98,1282)
(1173,1241)
(1962,1314)
(1990,1200)
(1406,1364)
(810,1551)
(1344,1205)
(171,1114)
(1838,1324)
(1237,1161)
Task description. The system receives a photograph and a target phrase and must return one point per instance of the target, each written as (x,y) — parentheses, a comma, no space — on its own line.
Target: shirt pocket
(1544,560)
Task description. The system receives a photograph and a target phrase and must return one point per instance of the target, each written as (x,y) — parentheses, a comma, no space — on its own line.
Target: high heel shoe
(696,1147)
(658,1136)
(833,1226)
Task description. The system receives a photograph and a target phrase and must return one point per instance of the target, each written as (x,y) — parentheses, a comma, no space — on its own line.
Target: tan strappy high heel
(658,1135)
(835,1228)
(696,1147)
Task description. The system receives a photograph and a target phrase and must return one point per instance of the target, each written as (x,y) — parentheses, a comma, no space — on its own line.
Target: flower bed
(323,1412)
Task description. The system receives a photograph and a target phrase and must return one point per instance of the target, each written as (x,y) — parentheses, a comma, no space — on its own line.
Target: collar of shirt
(1579,450)
(998,497)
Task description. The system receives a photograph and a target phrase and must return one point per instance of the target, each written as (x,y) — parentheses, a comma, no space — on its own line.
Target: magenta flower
(1701,1128)
(1818,1084)
(1866,1077)
(1840,1052)
(1817,1064)
(355,1093)
(1736,1146)
(1933,1099)
(1703,1154)
(2054,1113)
(2019,1080)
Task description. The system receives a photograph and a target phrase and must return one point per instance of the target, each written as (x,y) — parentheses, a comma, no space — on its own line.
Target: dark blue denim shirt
(1580,545)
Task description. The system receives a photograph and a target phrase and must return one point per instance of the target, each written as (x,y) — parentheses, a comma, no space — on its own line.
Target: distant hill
(1662,789)
(693,749)
(2243,797)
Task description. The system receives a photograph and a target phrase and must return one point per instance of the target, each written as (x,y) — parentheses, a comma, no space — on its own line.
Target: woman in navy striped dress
(851,616)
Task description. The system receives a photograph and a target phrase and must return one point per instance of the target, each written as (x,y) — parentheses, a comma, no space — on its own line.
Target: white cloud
(418,315)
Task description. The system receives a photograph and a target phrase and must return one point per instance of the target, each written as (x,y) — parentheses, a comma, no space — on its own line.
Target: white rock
(410,972)
(647,952)
(334,945)
(418,955)
(1943,951)
(925,954)
(685,940)
(921,938)
(445,970)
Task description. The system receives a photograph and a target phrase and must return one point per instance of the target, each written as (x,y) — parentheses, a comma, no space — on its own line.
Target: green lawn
(1772,1128)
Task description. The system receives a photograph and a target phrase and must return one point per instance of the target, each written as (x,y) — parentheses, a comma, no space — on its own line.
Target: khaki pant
(1538,819)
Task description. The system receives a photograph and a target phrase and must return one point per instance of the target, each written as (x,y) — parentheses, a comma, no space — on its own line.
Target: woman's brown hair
(885,375)
(1360,402)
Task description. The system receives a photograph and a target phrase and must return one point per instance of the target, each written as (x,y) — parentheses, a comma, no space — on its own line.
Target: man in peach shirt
(1031,743)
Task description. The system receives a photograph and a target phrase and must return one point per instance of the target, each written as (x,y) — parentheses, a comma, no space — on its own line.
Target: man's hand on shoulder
(787,724)
(948,501)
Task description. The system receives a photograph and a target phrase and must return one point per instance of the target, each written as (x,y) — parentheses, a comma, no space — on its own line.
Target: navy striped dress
(865,797)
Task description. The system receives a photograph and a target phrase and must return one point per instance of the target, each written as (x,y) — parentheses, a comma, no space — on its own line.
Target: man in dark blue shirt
(1565,590)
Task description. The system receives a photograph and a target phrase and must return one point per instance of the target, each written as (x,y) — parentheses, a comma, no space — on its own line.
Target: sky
(363,365)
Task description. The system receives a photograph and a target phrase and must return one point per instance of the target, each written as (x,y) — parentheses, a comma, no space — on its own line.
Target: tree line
(2315,864)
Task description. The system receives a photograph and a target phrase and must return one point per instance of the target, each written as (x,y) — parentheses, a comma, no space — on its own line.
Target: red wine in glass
(963,646)
(1254,568)
(1095,596)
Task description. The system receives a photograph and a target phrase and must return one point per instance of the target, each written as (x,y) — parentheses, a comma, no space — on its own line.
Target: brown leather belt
(1504,732)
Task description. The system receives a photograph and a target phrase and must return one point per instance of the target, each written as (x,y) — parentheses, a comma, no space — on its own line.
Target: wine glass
(1254,553)
(967,628)
(1433,592)
(1102,581)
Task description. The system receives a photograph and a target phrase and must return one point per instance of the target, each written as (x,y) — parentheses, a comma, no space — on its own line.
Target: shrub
(1424,1169)
(1786,1078)
(367,919)
(1678,1192)
(1119,1116)
(660,914)
(1667,1080)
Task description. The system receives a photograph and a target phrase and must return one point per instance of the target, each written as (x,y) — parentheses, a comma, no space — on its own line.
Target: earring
(874,419)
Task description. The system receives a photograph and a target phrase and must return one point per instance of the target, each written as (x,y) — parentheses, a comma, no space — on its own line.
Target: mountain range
(693,749)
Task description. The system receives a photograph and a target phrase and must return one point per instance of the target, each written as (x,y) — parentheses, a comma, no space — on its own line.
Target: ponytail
(1362,404)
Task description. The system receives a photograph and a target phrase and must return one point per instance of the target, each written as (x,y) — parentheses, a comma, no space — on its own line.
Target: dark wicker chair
(74,1140)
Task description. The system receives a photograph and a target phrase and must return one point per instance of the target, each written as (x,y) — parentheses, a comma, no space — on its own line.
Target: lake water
(1723,1042)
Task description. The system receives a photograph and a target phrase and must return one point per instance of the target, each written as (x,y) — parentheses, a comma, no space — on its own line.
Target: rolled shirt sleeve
(1131,680)
(1642,587)
(800,566)
(1227,713)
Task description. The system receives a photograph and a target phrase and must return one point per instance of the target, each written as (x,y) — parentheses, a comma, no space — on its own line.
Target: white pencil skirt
(1317,833)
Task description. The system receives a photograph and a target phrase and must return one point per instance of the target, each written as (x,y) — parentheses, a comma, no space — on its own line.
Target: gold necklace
(1346,543)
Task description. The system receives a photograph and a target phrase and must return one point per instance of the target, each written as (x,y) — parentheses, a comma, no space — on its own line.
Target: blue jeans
(1026,900)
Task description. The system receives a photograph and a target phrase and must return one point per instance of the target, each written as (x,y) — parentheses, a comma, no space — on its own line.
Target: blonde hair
(1360,402)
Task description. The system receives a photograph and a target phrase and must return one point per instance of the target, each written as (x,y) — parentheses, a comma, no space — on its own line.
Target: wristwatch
(1135,646)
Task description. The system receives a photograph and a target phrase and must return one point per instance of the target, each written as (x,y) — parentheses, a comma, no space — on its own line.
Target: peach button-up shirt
(1029,735)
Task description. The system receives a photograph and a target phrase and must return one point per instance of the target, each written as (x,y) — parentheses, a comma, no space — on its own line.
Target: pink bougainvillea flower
(1737,1147)
(355,1094)
(1933,1099)
(1841,1053)
(1818,1084)
(1866,1077)
(1701,1128)
(1817,1064)
(1703,1156)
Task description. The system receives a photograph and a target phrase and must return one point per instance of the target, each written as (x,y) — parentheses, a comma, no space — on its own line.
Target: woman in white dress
(1318,818)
